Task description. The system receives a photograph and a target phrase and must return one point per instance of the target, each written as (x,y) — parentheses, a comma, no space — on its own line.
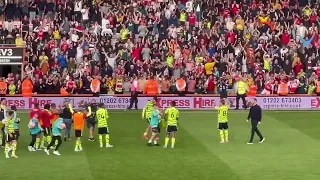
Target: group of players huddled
(46,125)
(158,119)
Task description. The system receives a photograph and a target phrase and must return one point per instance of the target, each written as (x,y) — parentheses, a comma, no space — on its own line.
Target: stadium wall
(192,102)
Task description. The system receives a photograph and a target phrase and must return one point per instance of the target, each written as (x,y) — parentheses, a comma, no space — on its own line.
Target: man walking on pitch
(255,114)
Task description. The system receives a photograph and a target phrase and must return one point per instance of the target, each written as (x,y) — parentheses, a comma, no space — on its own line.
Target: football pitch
(291,151)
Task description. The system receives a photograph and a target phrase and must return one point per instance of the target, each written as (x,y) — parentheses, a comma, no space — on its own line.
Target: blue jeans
(68,123)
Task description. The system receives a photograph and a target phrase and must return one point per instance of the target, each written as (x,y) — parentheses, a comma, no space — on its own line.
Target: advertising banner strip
(192,103)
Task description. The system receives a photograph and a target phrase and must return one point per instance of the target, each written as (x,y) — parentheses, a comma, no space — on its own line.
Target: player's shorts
(172,129)
(155,129)
(46,131)
(103,130)
(159,129)
(17,132)
(77,133)
(223,126)
(13,138)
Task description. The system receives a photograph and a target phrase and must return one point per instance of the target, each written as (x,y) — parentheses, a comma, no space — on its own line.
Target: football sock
(100,140)
(226,134)
(77,144)
(155,142)
(49,139)
(37,142)
(107,139)
(80,145)
(43,140)
(221,135)
(14,148)
(6,148)
(166,141)
(145,133)
(173,141)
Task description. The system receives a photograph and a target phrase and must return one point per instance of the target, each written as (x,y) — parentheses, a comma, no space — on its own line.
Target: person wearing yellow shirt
(307,11)
(124,32)
(241,89)
(43,57)
(263,19)
(209,68)
(198,59)
(239,23)
(266,63)
(56,34)
(19,41)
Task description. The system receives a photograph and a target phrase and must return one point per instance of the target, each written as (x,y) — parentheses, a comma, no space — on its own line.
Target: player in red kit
(46,117)
(35,110)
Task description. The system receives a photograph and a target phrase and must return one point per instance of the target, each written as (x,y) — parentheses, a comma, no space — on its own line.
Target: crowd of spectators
(207,42)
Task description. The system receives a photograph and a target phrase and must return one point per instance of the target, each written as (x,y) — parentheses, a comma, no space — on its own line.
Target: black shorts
(17,132)
(172,129)
(46,131)
(103,130)
(155,129)
(12,138)
(223,126)
(78,133)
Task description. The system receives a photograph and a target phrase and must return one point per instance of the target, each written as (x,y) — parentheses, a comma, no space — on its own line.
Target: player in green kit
(146,114)
(102,117)
(223,120)
(172,115)
(10,136)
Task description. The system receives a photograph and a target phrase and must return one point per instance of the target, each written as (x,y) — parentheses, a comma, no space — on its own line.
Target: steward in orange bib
(78,124)
(27,88)
(283,89)
(318,87)
(181,86)
(63,92)
(3,87)
(95,86)
(252,91)
(151,87)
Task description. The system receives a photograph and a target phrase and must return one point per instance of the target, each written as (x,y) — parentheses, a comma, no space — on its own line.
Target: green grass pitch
(291,151)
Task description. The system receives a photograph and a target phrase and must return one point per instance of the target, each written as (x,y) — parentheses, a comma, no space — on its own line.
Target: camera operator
(91,120)
(222,88)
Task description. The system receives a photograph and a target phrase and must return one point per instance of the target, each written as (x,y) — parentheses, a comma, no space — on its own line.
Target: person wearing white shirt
(85,15)
(106,31)
(77,9)
(79,53)
(301,31)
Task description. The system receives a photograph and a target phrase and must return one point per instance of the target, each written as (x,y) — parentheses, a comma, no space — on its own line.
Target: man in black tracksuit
(255,115)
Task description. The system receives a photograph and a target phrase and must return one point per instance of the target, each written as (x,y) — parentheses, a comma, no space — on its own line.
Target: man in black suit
(255,114)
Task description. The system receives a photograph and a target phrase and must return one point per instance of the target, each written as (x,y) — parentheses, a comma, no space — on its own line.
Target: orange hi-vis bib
(95,86)
(151,87)
(283,89)
(78,121)
(3,87)
(27,88)
(63,92)
(181,84)
(252,91)
(318,87)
